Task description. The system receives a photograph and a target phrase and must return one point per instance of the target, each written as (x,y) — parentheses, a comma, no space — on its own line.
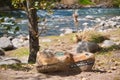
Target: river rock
(68,31)
(87,46)
(108,43)
(2,52)
(8,61)
(98,20)
(89,17)
(6,44)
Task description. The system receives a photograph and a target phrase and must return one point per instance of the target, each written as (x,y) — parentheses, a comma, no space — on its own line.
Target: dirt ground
(107,67)
(93,75)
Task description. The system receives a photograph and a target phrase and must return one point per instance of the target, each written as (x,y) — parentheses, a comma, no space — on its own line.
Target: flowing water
(63,18)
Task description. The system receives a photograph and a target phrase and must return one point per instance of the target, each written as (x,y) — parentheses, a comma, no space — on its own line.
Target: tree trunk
(33,32)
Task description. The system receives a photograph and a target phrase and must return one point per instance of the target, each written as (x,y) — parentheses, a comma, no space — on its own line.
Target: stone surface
(89,17)
(8,61)
(20,42)
(108,43)
(87,46)
(6,44)
(2,52)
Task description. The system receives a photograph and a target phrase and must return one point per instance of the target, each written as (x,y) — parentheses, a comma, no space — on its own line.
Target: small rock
(68,31)
(46,40)
(61,34)
(113,68)
(89,17)
(2,52)
(108,43)
(84,79)
(109,71)
(117,63)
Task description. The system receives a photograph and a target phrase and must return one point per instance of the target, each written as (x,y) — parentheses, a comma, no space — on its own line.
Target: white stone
(46,40)
(108,43)
(89,17)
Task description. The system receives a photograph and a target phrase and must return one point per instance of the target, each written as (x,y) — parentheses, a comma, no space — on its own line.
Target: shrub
(92,36)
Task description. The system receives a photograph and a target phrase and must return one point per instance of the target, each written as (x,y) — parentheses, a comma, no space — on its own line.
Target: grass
(114,33)
(56,40)
(109,49)
(17,67)
(92,36)
(20,52)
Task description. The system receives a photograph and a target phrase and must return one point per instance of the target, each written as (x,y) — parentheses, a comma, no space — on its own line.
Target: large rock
(20,42)
(50,61)
(8,61)
(87,46)
(2,52)
(108,43)
(6,44)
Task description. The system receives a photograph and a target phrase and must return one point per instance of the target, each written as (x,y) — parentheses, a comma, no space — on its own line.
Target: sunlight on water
(63,18)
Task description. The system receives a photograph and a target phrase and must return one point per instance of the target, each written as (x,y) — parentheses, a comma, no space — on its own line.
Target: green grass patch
(20,52)
(109,49)
(17,67)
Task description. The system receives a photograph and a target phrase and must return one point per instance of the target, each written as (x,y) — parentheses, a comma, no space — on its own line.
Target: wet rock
(87,46)
(2,52)
(98,20)
(8,61)
(108,43)
(6,44)
(109,23)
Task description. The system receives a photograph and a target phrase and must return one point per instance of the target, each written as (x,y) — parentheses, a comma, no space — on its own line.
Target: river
(63,18)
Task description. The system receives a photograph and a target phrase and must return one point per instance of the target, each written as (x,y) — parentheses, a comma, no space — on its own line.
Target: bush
(92,36)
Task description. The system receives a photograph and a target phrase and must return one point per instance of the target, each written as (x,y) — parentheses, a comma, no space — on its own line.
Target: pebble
(109,71)
(113,68)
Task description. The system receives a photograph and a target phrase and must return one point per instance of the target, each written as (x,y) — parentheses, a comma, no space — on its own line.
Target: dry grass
(91,35)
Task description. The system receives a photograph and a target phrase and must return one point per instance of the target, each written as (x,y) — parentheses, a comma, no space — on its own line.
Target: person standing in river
(75,18)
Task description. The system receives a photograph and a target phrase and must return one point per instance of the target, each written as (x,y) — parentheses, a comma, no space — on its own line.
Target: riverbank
(107,60)
(106,35)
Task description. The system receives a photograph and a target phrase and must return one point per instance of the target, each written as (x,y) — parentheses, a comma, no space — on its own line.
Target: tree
(31,6)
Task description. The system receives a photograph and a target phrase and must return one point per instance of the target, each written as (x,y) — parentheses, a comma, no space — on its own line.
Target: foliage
(38,4)
(116,3)
(5,3)
(85,2)
(8,25)
(20,67)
